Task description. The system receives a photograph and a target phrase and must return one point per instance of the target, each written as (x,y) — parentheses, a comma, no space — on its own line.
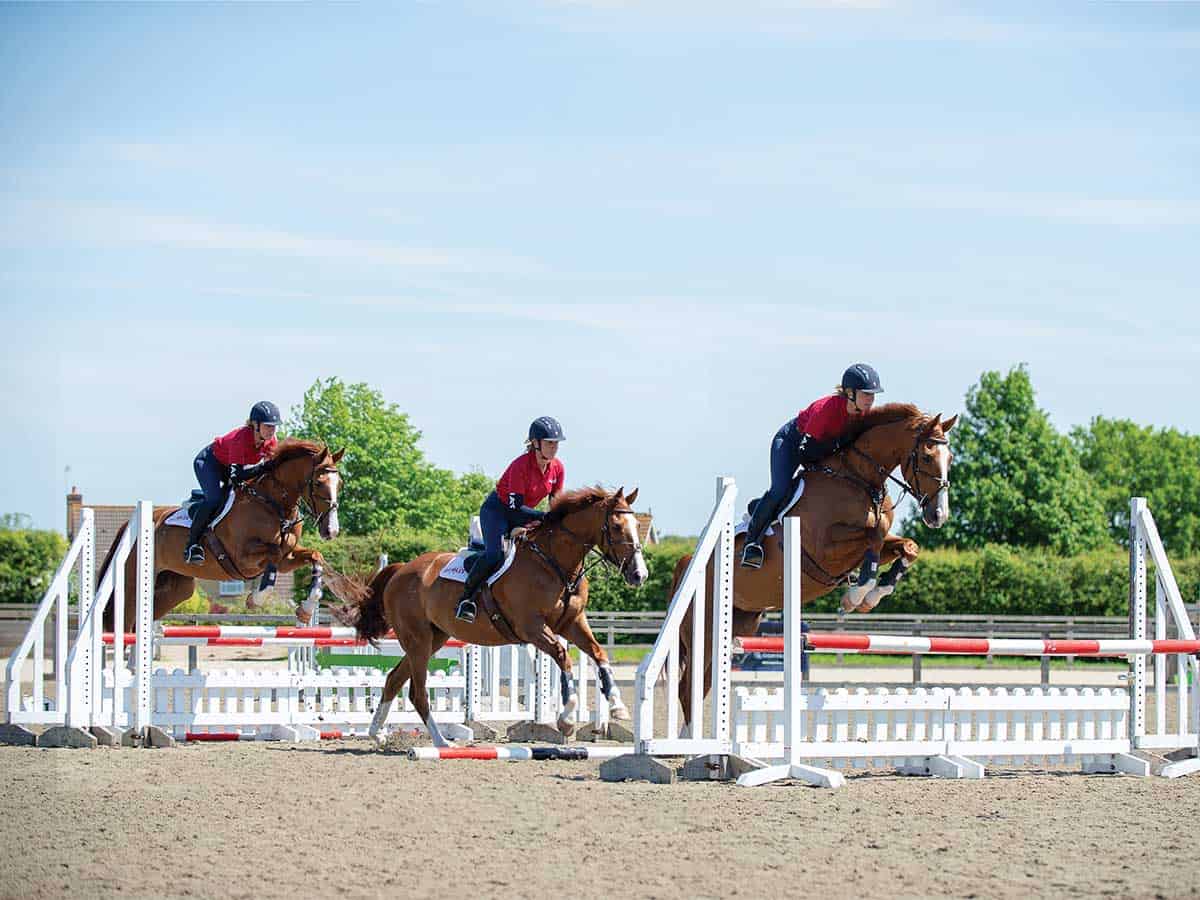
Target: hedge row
(997,580)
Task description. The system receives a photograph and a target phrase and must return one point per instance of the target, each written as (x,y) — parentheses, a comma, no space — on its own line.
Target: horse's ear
(632,497)
(620,492)
(949,423)
(337,457)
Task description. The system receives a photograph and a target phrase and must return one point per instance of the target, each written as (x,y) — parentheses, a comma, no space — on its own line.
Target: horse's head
(324,483)
(308,471)
(607,522)
(927,469)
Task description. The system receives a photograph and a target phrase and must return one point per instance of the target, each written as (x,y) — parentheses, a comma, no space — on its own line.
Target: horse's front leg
(297,558)
(902,553)
(868,574)
(579,633)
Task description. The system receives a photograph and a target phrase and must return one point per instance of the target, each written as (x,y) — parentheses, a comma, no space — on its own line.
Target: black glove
(811,450)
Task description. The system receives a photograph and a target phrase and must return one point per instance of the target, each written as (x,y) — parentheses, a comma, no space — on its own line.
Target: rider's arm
(518,510)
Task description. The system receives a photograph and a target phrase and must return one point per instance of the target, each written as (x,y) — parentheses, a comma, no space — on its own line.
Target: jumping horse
(845,510)
(261,529)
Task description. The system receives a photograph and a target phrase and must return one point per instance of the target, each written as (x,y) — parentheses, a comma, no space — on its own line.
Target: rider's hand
(518,533)
(235,473)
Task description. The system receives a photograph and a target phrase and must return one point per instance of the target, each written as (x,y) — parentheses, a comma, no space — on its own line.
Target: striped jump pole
(258,636)
(516,753)
(220,737)
(905,644)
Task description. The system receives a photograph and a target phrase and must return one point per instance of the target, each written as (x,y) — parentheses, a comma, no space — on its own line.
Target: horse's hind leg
(418,691)
(546,641)
(579,633)
(391,687)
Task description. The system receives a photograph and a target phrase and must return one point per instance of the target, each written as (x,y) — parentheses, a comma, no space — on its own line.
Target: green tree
(388,481)
(28,559)
(1016,480)
(1163,465)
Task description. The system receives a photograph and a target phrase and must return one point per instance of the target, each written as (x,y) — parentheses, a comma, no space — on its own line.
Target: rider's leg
(209,472)
(494,523)
(784,460)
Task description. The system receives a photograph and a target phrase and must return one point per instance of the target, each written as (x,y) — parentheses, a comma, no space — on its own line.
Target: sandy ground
(343,819)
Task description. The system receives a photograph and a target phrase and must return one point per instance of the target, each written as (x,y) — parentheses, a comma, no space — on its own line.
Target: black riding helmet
(861,377)
(545,429)
(265,413)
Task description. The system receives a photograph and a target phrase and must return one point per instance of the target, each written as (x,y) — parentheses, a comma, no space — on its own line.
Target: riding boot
(194,552)
(752,551)
(477,576)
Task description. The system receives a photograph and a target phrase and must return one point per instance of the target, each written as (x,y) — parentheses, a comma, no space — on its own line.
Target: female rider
(815,433)
(232,457)
(535,474)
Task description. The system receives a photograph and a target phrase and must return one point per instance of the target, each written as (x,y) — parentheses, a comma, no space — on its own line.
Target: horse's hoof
(566,729)
(380,739)
(619,711)
(874,598)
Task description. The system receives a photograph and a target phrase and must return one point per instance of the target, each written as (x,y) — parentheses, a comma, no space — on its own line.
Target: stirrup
(194,555)
(752,555)
(466,610)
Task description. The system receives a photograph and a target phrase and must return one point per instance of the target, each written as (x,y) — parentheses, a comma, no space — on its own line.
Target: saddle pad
(181,518)
(454,571)
(743,526)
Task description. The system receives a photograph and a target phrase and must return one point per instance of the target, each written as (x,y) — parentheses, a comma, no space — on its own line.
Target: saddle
(196,498)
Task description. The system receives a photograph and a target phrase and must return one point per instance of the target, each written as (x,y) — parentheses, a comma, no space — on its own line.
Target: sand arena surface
(342,819)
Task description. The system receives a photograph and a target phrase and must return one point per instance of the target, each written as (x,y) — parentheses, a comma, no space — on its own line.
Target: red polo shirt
(825,419)
(237,448)
(525,478)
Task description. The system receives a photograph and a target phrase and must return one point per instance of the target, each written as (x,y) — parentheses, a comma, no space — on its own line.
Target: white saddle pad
(743,526)
(454,571)
(181,518)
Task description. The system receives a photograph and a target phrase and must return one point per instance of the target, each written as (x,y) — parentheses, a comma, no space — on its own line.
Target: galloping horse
(844,510)
(261,528)
(541,595)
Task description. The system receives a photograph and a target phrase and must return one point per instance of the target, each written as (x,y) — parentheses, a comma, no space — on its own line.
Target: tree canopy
(1016,480)
(388,480)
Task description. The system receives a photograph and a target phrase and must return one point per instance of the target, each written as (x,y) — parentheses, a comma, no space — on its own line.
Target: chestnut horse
(845,510)
(542,595)
(262,527)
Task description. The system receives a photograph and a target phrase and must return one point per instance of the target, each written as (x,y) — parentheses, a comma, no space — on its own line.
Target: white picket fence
(87,687)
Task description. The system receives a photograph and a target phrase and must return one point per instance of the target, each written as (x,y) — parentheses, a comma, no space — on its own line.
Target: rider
(232,457)
(535,474)
(818,431)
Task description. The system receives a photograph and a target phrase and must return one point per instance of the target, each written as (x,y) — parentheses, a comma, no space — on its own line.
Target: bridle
(291,512)
(914,464)
(607,556)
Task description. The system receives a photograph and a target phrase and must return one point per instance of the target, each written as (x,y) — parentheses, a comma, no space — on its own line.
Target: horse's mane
(573,501)
(886,415)
(293,448)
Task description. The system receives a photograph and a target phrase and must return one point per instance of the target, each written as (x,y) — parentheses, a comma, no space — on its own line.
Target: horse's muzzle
(635,570)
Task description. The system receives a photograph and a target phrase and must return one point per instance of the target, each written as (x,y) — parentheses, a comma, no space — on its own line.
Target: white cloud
(104,226)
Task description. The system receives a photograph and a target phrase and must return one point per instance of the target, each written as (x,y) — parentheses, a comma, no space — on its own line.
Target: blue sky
(669,224)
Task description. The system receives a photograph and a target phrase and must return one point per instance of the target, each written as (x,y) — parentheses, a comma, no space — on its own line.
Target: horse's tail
(367,615)
(109,614)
